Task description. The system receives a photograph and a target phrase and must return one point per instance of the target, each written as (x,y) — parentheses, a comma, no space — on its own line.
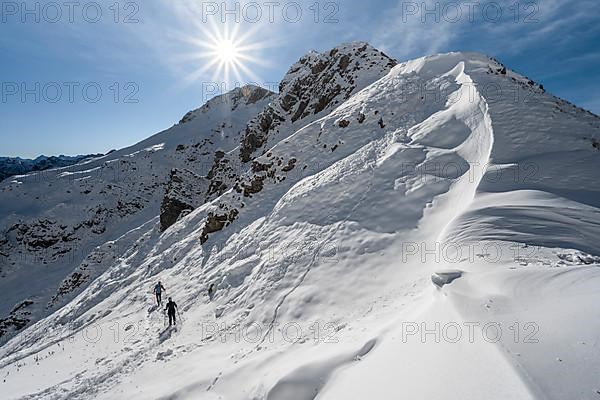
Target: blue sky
(148,58)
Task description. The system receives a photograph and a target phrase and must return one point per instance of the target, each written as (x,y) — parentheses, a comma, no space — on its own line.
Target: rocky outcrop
(17,319)
(215,221)
(185,191)
(222,172)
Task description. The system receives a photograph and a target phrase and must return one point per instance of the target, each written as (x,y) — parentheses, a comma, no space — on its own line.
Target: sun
(227,52)
(227,55)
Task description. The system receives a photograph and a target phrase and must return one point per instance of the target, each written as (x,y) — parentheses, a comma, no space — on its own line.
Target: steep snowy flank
(312,87)
(52,222)
(321,230)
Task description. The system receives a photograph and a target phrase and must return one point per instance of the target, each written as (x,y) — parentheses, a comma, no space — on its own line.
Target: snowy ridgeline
(321,214)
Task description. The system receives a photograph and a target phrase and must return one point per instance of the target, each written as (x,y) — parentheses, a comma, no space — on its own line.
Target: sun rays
(226,57)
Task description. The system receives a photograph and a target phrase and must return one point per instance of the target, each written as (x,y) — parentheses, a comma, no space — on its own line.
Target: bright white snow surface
(324,280)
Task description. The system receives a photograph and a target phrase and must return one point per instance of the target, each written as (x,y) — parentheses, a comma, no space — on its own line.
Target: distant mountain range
(10,166)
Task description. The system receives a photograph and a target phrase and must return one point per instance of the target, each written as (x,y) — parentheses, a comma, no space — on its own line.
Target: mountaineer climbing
(211,291)
(171,309)
(158,289)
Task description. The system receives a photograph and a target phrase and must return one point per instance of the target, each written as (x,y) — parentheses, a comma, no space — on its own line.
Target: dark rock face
(254,186)
(187,117)
(44,236)
(257,132)
(290,166)
(70,284)
(216,221)
(17,319)
(220,173)
(185,191)
(170,210)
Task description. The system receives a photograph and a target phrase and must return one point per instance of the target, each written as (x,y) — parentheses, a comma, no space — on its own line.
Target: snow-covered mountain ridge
(321,228)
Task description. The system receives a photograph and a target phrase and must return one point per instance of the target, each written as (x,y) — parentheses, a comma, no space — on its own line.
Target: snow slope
(60,223)
(323,243)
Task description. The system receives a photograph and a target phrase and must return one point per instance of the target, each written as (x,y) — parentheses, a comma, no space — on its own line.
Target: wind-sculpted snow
(322,242)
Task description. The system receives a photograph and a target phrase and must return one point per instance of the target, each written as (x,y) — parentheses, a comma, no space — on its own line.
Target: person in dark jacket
(171,309)
(158,289)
